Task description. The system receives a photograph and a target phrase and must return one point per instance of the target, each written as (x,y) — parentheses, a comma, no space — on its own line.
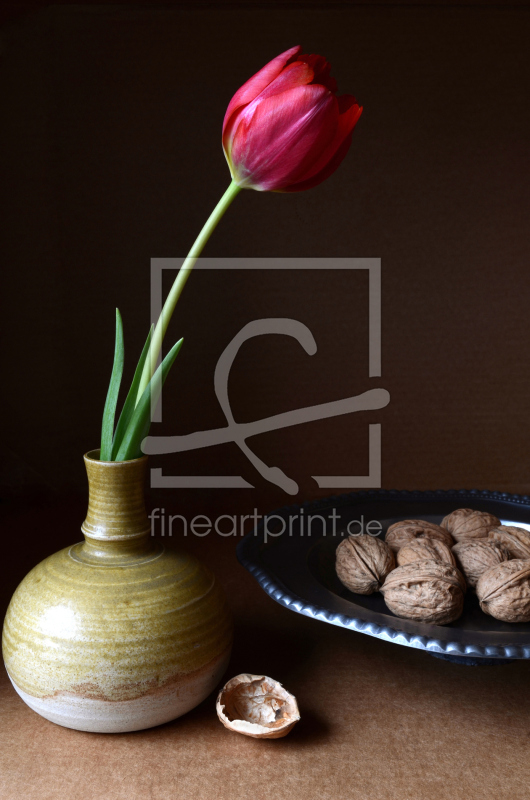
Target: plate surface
(292,553)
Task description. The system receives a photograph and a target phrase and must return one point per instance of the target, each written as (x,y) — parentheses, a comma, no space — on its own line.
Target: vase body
(116,633)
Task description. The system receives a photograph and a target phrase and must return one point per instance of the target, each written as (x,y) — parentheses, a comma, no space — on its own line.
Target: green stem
(180,282)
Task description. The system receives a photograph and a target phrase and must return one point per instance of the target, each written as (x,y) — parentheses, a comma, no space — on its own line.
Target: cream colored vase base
(118,716)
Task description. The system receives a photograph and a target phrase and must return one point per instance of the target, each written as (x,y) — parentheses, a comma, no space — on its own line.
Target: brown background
(111,155)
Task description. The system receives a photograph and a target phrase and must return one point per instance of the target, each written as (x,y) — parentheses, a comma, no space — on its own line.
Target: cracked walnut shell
(401,533)
(515,540)
(362,563)
(464,523)
(427,591)
(425,549)
(504,591)
(475,556)
(257,706)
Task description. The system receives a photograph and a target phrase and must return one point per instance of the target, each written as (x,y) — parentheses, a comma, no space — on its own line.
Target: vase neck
(116,506)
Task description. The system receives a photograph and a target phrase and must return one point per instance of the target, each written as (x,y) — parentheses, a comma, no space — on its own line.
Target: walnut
(515,540)
(401,533)
(428,591)
(425,549)
(464,523)
(363,562)
(475,556)
(504,591)
(257,706)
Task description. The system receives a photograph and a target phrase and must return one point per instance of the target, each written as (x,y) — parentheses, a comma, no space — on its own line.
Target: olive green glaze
(116,618)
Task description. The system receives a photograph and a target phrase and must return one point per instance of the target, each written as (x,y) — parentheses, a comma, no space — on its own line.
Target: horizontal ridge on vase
(116,633)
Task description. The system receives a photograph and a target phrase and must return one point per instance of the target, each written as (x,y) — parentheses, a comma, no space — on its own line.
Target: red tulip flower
(285,129)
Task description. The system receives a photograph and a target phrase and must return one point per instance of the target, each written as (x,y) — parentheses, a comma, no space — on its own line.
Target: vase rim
(93,456)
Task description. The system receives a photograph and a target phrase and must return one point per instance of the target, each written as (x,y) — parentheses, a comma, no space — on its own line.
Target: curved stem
(180,282)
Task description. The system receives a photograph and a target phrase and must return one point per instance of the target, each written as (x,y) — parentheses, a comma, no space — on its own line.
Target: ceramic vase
(116,633)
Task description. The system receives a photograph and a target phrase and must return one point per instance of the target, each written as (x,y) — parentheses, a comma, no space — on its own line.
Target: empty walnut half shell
(401,533)
(464,523)
(363,562)
(428,591)
(475,556)
(257,706)
(504,591)
(425,549)
(515,540)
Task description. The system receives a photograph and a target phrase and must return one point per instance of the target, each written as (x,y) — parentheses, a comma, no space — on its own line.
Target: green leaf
(107,428)
(140,422)
(128,406)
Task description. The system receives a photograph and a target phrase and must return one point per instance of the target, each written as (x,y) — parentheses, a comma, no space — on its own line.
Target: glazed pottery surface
(116,633)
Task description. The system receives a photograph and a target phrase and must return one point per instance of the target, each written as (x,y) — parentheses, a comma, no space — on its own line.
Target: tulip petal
(295,74)
(298,73)
(255,85)
(275,140)
(321,69)
(324,173)
(349,113)
(335,157)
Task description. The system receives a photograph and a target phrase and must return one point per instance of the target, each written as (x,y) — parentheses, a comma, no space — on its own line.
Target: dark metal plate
(292,552)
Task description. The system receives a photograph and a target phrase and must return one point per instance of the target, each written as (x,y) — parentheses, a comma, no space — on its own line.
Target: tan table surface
(378,721)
